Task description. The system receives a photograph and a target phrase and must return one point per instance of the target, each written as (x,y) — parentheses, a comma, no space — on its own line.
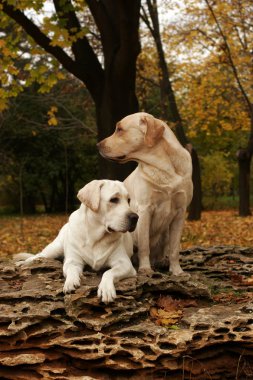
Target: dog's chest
(97,255)
(161,216)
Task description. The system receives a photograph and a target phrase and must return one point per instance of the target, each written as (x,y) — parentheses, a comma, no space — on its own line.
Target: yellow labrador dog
(160,187)
(97,234)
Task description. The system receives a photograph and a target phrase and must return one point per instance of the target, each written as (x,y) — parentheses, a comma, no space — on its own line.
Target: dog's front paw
(176,270)
(28,261)
(106,291)
(20,263)
(145,271)
(71,284)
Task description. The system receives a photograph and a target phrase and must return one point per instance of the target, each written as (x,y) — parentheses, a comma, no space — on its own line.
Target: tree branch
(149,80)
(39,37)
(86,59)
(66,13)
(152,8)
(145,19)
(86,67)
(230,58)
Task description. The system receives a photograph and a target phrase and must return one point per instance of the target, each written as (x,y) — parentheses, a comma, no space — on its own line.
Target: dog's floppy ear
(153,130)
(90,194)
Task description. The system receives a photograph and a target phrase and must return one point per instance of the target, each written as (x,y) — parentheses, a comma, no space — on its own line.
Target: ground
(193,327)
(198,326)
(32,233)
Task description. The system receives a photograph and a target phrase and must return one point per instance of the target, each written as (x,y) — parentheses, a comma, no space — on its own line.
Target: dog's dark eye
(129,200)
(114,200)
(119,129)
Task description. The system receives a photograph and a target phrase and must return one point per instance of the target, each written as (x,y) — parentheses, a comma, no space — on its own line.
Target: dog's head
(134,135)
(110,202)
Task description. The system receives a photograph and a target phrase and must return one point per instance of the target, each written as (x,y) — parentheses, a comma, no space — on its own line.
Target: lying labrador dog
(160,187)
(97,234)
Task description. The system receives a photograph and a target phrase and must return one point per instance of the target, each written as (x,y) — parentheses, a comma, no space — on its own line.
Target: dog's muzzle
(132,221)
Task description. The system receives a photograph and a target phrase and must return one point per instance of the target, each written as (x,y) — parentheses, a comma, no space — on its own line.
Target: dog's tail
(22,256)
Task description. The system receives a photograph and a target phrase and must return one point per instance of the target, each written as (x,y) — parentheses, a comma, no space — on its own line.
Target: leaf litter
(33,233)
(169,311)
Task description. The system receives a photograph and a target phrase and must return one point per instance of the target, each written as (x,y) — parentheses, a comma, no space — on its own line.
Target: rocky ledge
(188,327)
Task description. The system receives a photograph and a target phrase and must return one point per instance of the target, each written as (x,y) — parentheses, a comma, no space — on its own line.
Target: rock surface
(45,334)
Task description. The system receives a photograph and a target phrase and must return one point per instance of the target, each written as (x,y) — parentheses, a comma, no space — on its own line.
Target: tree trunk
(173,115)
(119,29)
(170,109)
(118,101)
(45,334)
(195,207)
(244,161)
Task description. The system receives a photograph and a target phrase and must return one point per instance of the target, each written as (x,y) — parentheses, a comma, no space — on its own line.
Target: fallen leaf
(165,318)
(248,281)
(33,233)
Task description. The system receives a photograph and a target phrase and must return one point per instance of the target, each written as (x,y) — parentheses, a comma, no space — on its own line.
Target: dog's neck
(101,243)
(167,162)
(156,166)
(159,177)
(99,232)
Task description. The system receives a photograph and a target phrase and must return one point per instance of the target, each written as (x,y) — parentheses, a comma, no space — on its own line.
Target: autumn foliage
(207,48)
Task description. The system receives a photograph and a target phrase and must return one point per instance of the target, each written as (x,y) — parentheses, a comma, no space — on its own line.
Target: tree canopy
(207,50)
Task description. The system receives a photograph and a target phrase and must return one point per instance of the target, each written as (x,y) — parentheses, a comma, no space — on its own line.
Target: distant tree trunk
(243,155)
(169,107)
(21,192)
(44,201)
(66,187)
(29,204)
(53,191)
(244,161)
(195,207)
(72,198)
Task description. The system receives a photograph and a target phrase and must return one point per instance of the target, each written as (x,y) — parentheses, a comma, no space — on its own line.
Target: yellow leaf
(53,121)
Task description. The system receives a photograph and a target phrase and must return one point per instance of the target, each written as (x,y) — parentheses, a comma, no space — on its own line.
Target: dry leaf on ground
(168,311)
(33,233)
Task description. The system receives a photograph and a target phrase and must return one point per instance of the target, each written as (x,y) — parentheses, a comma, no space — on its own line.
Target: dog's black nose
(133,219)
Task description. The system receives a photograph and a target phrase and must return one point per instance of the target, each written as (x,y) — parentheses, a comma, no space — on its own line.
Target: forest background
(70,70)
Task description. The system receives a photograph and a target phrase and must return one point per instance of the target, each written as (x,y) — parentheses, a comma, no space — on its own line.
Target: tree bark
(195,207)
(121,47)
(244,161)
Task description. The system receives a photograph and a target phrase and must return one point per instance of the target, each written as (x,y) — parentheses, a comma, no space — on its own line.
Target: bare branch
(230,59)
(145,19)
(149,80)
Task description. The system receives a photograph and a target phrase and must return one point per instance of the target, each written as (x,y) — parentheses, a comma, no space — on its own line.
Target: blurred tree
(67,33)
(236,13)
(47,147)
(217,175)
(222,33)
(169,107)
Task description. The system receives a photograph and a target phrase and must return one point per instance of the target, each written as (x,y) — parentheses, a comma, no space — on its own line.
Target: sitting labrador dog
(160,187)
(97,234)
